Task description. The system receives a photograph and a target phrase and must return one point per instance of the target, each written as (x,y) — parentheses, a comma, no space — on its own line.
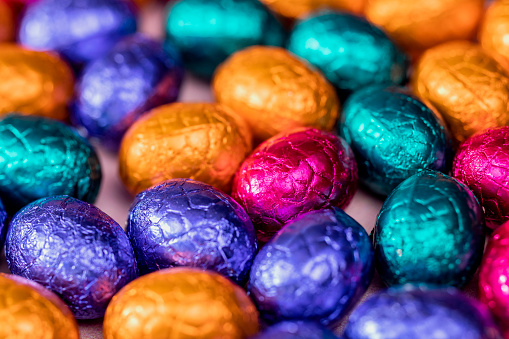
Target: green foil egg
(206,32)
(430,230)
(41,157)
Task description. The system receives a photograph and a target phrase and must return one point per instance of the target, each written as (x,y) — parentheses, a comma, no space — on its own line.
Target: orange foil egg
(275,92)
(201,141)
(294,9)
(466,84)
(181,303)
(494,33)
(6,22)
(33,82)
(420,24)
(28,310)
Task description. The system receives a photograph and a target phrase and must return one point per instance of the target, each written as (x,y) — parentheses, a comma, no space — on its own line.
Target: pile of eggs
(237,226)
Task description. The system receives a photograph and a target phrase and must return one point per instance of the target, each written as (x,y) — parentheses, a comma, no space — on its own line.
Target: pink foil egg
(482,163)
(294,173)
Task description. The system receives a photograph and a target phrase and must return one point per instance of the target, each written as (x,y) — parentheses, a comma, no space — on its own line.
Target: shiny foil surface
(29,311)
(3,224)
(294,9)
(73,249)
(34,83)
(275,92)
(80,30)
(350,51)
(201,141)
(115,90)
(430,230)
(421,312)
(7,22)
(183,222)
(41,157)
(316,268)
(482,163)
(421,24)
(296,330)
(393,135)
(181,303)
(294,173)
(495,28)
(467,86)
(207,32)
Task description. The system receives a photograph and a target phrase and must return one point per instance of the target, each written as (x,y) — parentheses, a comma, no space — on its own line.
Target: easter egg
(293,9)
(495,28)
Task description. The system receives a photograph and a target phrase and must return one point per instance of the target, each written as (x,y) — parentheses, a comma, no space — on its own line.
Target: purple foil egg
(315,268)
(183,222)
(73,249)
(294,173)
(115,90)
(296,330)
(482,163)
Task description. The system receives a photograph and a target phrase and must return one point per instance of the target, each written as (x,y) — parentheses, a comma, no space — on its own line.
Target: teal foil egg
(207,32)
(394,135)
(430,230)
(350,51)
(41,157)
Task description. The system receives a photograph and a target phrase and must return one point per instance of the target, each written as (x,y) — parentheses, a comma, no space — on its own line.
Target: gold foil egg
(28,310)
(466,85)
(181,303)
(33,82)
(201,141)
(299,8)
(275,92)
(494,32)
(420,24)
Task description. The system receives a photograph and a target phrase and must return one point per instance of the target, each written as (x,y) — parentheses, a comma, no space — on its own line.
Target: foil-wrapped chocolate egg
(421,312)
(393,135)
(296,330)
(201,141)
(34,83)
(73,249)
(41,157)
(80,30)
(421,24)
(495,28)
(7,22)
(275,91)
(316,268)
(294,9)
(3,224)
(429,230)
(482,163)
(207,32)
(28,310)
(181,303)
(350,51)
(467,85)
(294,173)
(115,90)
(183,222)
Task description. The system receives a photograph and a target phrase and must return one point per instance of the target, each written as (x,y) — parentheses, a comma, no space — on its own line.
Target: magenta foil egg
(294,173)
(482,163)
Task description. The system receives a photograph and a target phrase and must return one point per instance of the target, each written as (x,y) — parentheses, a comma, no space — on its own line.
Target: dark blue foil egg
(315,268)
(429,230)
(420,312)
(81,30)
(41,157)
(207,32)
(350,51)
(115,90)
(3,224)
(296,330)
(183,222)
(394,135)
(73,249)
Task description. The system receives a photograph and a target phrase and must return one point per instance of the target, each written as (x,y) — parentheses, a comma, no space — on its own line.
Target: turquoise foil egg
(394,135)
(350,51)
(429,230)
(207,32)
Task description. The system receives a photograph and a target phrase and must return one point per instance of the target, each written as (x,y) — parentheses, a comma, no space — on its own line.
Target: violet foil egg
(316,268)
(296,330)
(115,90)
(80,30)
(183,222)
(482,163)
(73,249)
(294,173)
(421,312)
(3,224)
